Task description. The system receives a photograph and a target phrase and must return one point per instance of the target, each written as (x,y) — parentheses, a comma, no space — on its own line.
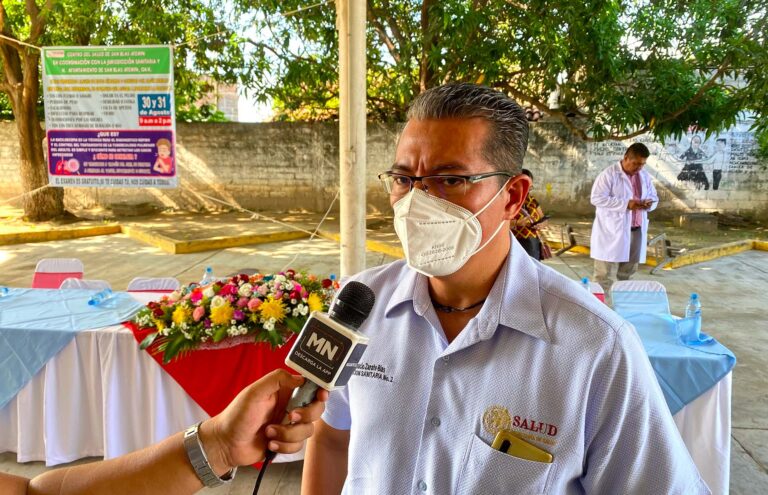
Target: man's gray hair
(508,139)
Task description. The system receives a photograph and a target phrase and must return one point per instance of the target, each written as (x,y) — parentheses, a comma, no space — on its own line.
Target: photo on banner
(109,116)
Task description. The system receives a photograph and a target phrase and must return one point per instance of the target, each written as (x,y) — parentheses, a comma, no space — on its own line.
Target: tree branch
(426,73)
(476,5)
(578,131)
(37,19)
(700,93)
(9,53)
(382,32)
(392,23)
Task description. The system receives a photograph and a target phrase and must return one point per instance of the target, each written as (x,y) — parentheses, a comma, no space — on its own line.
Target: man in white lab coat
(623,194)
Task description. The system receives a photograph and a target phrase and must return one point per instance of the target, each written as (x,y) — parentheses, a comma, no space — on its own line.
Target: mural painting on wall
(694,162)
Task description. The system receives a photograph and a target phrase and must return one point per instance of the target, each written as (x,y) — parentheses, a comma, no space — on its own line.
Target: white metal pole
(350,22)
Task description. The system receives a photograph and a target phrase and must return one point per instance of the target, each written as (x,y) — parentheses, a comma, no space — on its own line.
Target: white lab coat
(611,192)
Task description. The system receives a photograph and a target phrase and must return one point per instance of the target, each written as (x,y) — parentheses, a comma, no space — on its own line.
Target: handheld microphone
(329,346)
(327,350)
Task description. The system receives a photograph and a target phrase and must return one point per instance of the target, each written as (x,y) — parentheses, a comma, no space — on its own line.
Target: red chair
(597,290)
(51,272)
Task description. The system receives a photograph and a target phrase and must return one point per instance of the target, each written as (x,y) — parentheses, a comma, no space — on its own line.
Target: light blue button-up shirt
(543,358)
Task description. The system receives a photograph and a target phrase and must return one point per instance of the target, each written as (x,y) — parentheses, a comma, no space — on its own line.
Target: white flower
(269,325)
(280,278)
(208,292)
(174,296)
(304,310)
(218,301)
(245,290)
(295,312)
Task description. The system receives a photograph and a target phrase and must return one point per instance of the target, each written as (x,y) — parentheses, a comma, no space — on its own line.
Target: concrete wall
(282,166)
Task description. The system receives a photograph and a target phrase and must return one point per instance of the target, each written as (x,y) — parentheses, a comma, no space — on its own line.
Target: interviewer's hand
(241,434)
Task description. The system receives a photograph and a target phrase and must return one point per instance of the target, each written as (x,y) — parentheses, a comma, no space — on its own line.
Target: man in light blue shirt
(487,372)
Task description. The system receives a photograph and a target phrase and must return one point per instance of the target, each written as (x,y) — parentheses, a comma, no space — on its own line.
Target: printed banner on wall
(109,116)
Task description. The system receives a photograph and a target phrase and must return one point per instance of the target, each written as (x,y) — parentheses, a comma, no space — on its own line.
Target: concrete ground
(733,290)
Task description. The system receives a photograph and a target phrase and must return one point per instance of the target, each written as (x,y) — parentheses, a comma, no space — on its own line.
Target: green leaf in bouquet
(173,347)
(219,334)
(274,338)
(294,324)
(148,340)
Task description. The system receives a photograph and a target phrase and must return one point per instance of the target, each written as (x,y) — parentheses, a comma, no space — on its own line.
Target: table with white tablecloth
(103,396)
(100,396)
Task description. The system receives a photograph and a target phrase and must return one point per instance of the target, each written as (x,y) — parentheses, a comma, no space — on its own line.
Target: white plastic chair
(79,283)
(639,296)
(148,284)
(51,272)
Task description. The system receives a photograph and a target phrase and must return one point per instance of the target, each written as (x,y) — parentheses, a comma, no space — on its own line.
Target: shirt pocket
(490,472)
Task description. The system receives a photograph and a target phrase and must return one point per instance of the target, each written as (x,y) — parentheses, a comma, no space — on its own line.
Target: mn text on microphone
(329,346)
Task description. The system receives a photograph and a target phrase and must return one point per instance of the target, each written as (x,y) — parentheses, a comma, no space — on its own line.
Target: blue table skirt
(683,371)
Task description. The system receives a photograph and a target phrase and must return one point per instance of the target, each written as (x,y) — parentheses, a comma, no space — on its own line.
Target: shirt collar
(514,301)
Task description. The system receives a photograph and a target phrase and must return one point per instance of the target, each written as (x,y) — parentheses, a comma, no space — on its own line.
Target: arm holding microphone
(239,435)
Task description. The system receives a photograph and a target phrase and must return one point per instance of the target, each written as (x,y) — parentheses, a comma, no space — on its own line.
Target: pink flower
(196,295)
(304,294)
(254,304)
(198,313)
(263,289)
(242,302)
(279,294)
(228,289)
(238,315)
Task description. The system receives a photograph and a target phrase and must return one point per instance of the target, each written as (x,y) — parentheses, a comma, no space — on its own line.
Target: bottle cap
(584,280)
(694,296)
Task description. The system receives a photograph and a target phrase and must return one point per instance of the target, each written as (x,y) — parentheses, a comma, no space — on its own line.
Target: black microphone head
(353,304)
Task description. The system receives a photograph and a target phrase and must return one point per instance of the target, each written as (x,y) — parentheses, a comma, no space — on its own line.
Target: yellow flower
(181,314)
(315,302)
(221,315)
(273,308)
(159,324)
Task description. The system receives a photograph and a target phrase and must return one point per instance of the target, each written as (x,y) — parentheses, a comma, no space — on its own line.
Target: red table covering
(212,378)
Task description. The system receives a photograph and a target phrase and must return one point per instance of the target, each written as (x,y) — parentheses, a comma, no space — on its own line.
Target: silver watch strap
(199,460)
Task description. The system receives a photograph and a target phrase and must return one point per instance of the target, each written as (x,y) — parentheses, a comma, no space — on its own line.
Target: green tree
(204,45)
(620,67)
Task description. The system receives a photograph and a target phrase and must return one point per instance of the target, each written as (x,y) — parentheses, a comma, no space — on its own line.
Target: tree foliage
(620,67)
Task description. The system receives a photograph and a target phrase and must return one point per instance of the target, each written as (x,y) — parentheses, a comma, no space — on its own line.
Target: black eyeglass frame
(472,179)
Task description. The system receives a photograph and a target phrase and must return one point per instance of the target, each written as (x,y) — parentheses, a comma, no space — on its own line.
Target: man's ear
(517,187)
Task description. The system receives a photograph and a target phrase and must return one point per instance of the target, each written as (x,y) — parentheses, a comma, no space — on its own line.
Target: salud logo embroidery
(496,419)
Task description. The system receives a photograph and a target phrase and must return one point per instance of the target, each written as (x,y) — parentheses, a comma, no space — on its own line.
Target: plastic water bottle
(585,284)
(694,306)
(208,277)
(100,297)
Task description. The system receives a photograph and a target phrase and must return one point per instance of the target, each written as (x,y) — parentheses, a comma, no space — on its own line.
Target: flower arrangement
(269,307)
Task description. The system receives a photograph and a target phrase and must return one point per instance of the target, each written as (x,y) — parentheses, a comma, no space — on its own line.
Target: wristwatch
(199,460)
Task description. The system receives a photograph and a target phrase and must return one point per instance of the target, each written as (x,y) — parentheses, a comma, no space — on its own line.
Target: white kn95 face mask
(438,237)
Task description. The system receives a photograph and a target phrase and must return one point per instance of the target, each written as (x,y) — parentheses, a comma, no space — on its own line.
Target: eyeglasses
(444,186)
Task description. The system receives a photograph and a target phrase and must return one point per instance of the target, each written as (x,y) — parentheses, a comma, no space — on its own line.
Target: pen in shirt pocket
(511,444)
